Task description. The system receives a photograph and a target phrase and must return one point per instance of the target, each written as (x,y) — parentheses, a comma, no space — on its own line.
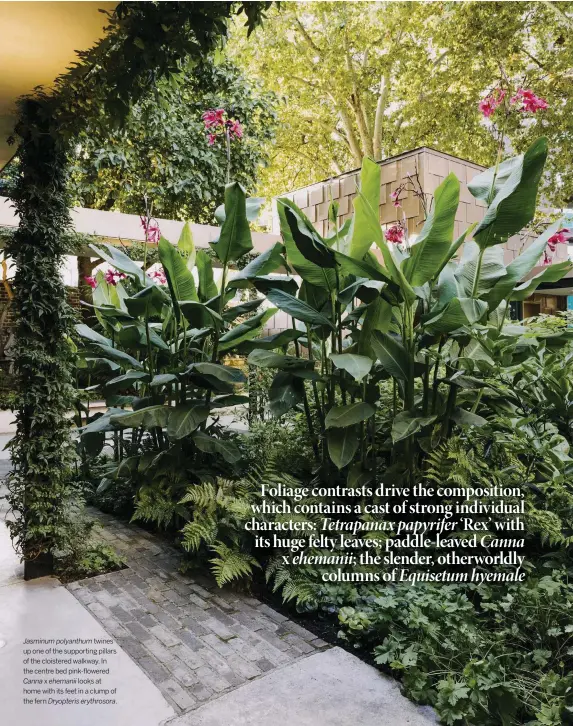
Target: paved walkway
(193,639)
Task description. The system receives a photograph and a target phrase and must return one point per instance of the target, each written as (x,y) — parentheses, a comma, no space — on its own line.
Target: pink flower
(91,282)
(559,238)
(490,103)
(112,277)
(546,259)
(395,197)
(235,129)
(395,234)
(158,276)
(214,117)
(530,103)
(217,122)
(151,229)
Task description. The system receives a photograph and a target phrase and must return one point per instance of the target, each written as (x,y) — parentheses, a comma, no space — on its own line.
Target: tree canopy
(377,78)
(161,150)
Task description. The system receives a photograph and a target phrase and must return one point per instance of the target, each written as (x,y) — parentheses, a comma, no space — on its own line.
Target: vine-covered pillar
(39,489)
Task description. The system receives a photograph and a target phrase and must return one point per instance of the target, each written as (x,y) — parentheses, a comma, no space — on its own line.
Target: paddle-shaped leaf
(309,271)
(431,248)
(211,445)
(357,365)
(513,206)
(342,444)
(406,424)
(245,331)
(286,392)
(235,238)
(352,413)
(179,278)
(297,308)
(184,419)
(120,261)
(391,354)
(365,227)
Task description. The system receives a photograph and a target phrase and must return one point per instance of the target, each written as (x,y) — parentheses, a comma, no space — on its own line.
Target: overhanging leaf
(357,365)
(184,419)
(352,413)
(342,445)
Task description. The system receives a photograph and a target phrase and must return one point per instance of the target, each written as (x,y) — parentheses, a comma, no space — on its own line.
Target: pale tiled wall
(431,167)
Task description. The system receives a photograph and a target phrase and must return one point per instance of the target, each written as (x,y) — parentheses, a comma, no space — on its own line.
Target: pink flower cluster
(490,103)
(395,234)
(561,237)
(217,124)
(91,281)
(158,276)
(151,229)
(395,197)
(530,103)
(524,99)
(112,277)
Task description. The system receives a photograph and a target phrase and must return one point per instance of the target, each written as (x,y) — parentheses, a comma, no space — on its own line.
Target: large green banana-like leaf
(128,380)
(351,266)
(118,259)
(226,374)
(243,309)
(492,269)
(271,342)
(486,185)
(309,271)
(432,247)
(391,354)
(552,273)
(200,315)
(406,424)
(212,445)
(93,336)
(186,246)
(298,309)
(268,359)
(179,278)
(520,267)
(365,227)
(184,419)
(147,302)
(456,314)
(352,413)
(207,288)
(235,238)
(147,418)
(268,261)
(308,242)
(245,331)
(119,356)
(285,392)
(253,207)
(392,269)
(513,207)
(357,365)
(342,445)
(378,317)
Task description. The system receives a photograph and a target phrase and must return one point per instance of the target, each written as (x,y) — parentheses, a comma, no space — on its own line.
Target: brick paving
(194,640)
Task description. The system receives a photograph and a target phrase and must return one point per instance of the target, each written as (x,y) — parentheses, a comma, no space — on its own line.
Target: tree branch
(379,117)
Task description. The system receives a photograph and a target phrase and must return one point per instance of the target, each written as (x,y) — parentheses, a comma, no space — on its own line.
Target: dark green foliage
(161,151)
(43,356)
(485,655)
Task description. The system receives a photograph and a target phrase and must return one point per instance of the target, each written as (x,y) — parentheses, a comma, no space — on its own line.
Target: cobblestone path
(194,640)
